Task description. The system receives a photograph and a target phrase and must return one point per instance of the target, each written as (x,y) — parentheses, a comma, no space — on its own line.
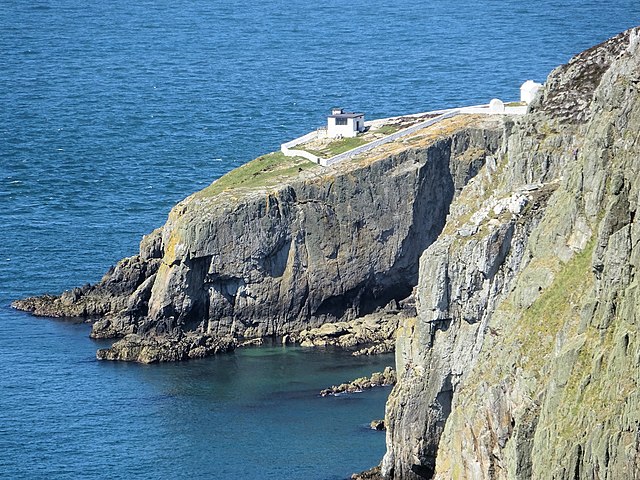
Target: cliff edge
(280,246)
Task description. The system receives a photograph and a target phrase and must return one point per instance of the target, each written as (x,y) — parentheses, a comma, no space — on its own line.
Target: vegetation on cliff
(268,170)
(524,358)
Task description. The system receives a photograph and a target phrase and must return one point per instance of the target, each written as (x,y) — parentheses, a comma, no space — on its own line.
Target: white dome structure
(496,106)
(528,91)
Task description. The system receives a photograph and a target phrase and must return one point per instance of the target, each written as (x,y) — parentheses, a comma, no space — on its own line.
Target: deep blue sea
(111,112)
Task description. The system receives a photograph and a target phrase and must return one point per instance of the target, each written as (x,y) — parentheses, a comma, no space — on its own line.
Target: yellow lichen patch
(170,253)
(405,335)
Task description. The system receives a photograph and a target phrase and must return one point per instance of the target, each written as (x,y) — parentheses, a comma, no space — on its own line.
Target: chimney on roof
(337,111)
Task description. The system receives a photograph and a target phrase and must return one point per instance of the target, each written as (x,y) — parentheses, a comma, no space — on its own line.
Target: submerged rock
(254,342)
(378,425)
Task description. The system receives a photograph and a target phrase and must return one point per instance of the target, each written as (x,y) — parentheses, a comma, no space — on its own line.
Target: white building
(528,91)
(344,124)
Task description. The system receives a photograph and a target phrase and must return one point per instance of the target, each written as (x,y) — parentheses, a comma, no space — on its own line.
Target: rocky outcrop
(378,425)
(376,330)
(135,348)
(378,379)
(371,474)
(127,286)
(323,246)
(523,361)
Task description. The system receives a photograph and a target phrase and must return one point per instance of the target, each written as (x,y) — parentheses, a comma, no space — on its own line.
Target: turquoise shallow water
(110,112)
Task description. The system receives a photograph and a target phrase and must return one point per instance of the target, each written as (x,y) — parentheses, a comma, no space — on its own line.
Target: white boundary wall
(287,149)
(325,162)
(291,152)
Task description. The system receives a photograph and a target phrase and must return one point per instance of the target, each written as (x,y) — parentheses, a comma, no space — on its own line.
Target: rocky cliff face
(518,237)
(324,245)
(524,359)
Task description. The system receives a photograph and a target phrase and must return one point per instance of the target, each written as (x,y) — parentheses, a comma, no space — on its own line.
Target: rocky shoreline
(305,258)
(378,379)
(135,348)
(371,334)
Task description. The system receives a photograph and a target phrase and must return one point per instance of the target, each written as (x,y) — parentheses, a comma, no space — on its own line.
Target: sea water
(110,112)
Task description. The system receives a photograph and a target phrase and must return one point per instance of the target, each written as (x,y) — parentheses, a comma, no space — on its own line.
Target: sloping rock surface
(524,359)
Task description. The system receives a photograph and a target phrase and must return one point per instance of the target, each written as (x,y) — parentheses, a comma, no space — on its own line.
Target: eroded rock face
(311,252)
(524,359)
(329,245)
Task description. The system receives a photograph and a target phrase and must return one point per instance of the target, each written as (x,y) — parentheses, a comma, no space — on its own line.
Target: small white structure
(496,106)
(528,91)
(344,124)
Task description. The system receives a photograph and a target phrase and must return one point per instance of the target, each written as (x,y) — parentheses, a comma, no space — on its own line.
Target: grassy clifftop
(267,170)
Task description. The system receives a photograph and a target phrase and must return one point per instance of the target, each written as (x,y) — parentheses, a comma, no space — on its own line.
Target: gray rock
(378,379)
(376,331)
(156,349)
(523,360)
(378,425)
(324,247)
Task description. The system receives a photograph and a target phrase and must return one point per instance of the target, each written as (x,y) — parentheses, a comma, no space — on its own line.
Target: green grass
(515,104)
(262,172)
(542,321)
(336,147)
(387,129)
(345,144)
(315,152)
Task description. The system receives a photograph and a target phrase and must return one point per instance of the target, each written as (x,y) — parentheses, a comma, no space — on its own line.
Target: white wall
(289,151)
(325,162)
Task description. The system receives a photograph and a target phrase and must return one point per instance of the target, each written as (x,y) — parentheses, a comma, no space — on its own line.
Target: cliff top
(275,170)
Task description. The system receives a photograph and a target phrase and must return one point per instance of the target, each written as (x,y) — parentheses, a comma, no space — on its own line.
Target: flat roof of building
(347,115)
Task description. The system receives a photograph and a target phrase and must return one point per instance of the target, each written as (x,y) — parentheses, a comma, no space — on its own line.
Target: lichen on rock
(523,360)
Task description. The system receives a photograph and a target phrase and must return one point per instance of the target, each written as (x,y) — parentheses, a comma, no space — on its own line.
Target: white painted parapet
(288,151)
(499,108)
(486,110)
